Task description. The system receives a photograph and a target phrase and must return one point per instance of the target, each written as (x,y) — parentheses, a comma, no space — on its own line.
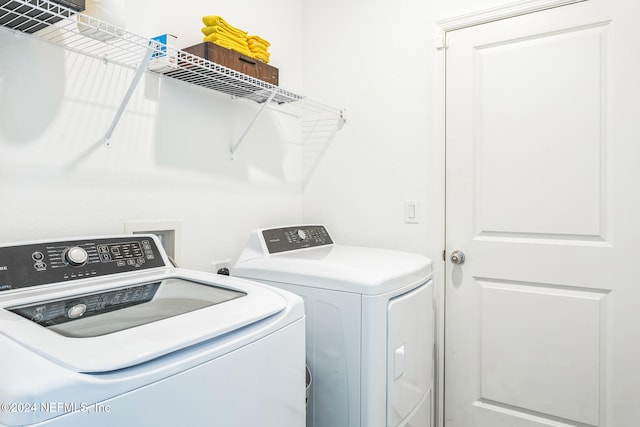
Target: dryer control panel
(35,264)
(297,237)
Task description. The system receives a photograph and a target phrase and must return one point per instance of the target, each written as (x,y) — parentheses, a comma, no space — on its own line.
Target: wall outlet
(221,266)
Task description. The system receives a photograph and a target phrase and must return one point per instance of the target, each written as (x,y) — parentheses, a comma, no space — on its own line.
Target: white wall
(169,159)
(378,60)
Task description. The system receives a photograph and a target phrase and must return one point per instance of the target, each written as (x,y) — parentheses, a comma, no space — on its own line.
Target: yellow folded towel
(221,30)
(213,37)
(257,46)
(215,20)
(258,39)
(228,43)
(223,35)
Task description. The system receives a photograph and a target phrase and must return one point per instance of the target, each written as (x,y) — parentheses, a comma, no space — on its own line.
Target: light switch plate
(411,211)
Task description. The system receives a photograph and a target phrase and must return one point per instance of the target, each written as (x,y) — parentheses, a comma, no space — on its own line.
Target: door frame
(438,221)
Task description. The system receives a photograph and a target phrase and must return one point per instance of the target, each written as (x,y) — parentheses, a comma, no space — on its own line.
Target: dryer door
(410,357)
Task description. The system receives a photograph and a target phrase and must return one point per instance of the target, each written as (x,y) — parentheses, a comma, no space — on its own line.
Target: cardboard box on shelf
(165,58)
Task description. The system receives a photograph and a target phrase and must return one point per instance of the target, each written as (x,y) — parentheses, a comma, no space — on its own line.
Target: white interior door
(542,320)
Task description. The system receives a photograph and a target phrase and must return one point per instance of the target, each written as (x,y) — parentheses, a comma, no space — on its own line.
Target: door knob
(457,257)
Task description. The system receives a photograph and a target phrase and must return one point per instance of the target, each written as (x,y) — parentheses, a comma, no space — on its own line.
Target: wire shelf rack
(80,33)
(76,32)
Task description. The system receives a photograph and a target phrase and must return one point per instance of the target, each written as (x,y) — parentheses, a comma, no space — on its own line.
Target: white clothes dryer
(369,324)
(105,331)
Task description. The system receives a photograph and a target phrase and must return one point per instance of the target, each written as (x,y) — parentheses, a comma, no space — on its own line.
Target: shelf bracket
(132,87)
(338,126)
(234,147)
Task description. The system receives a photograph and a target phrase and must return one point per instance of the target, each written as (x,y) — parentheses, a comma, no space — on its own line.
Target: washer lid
(368,271)
(123,326)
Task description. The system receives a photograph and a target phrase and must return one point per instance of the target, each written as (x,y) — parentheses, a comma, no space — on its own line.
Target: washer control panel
(292,238)
(34,264)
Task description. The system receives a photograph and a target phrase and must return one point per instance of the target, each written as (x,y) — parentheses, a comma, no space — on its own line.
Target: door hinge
(444,255)
(442,42)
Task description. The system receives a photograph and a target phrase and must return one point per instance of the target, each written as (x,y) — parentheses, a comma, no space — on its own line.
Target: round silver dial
(76,256)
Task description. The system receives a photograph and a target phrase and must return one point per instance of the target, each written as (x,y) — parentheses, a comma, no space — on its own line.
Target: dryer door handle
(398,364)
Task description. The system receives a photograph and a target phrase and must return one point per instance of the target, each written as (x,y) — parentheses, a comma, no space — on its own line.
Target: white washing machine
(104,331)
(369,315)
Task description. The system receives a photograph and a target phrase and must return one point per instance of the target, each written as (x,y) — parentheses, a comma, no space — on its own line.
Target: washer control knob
(302,234)
(76,256)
